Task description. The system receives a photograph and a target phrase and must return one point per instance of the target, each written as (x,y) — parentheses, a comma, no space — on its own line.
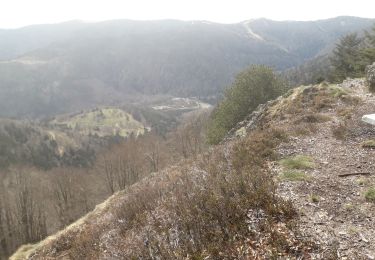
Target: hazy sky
(16,13)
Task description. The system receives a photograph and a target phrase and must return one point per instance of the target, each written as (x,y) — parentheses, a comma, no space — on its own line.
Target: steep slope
(107,63)
(325,125)
(208,208)
(335,211)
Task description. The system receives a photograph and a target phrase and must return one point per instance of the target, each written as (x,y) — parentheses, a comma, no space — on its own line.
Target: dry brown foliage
(211,210)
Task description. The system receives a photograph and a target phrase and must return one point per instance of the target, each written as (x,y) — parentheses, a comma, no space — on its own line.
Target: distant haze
(47,70)
(18,13)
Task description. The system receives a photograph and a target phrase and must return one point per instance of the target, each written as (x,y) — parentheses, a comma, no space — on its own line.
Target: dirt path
(340,220)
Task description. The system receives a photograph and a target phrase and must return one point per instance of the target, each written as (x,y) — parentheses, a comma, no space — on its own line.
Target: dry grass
(294,175)
(310,103)
(340,131)
(210,210)
(303,129)
(368,143)
(313,118)
(345,112)
(258,146)
(336,91)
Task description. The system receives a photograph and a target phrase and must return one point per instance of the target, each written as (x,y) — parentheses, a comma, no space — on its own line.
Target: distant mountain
(16,42)
(50,69)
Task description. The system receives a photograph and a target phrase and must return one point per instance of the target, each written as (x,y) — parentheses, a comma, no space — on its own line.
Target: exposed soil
(341,221)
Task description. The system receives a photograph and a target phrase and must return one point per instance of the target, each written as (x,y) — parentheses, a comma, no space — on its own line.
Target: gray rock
(352,83)
(369,119)
(251,121)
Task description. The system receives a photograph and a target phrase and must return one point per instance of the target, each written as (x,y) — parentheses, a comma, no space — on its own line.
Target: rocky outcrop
(352,83)
(370,76)
(250,122)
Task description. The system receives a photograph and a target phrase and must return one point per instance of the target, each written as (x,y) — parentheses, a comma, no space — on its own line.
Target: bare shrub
(205,212)
(86,245)
(340,131)
(304,129)
(189,137)
(313,118)
(69,197)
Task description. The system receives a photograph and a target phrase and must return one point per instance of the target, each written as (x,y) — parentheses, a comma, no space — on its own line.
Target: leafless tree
(30,217)
(6,234)
(109,171)
(188,138)
(70,200)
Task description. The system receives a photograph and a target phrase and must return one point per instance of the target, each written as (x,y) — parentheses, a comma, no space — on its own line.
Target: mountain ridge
(107,63)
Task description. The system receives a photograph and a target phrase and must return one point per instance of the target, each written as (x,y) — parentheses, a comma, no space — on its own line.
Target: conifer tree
(346,60)
(368,53)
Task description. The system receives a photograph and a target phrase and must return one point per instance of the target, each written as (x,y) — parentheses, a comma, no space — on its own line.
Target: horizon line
(175,19)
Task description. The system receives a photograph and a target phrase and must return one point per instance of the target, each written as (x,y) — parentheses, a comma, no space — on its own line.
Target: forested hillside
(349,58)
(79,65)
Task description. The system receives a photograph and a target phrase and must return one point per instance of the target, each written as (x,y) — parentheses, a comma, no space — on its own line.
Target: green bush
(252,87)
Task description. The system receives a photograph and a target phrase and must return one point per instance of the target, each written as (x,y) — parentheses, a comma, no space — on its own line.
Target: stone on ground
(369,119)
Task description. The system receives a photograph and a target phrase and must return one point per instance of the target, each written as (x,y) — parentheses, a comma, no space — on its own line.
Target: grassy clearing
(102,122)
(294,176)
(368,143)
(298,162)
(370,194)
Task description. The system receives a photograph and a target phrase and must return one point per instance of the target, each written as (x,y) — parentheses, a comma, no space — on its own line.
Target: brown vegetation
(55,198)
(21,217)
(223,206)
